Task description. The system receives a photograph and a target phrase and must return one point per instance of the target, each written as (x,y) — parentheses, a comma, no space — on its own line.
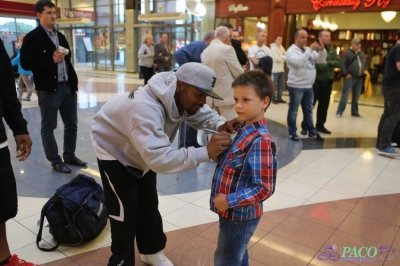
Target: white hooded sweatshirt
(138,132)
(301,64)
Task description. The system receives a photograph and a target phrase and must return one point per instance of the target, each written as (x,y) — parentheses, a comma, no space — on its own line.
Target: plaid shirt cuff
(232,200)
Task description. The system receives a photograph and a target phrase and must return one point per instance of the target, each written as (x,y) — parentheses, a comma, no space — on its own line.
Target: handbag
(76,213)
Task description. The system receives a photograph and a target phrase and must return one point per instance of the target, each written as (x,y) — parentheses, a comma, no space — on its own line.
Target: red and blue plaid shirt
(246,173)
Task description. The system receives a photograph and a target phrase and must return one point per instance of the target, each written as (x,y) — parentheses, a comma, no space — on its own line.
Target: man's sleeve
(251,52)
(182,56)
(298,60)
(335,62)
(30,59)
(343,63)
(157,52)
(233,64)
(8,96)
(239,52)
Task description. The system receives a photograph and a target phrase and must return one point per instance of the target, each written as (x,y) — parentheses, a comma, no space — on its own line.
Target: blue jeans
(233,239)
(278,86)
(352,84)
(305,97)
(50,102)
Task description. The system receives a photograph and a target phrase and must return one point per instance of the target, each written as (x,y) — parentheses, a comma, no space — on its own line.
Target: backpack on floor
(76,213)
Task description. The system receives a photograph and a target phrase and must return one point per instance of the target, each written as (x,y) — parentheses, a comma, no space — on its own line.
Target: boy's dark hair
(277,36)
(39,6)
(261,83)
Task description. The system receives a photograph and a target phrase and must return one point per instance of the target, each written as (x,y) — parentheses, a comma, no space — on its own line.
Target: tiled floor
(337,193)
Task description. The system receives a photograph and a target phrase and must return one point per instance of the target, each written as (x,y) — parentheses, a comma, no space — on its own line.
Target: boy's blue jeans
(233,239)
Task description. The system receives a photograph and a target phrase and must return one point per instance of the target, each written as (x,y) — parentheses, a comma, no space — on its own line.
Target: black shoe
(294,137)
(303,132)
(316,137)
(282,101)
(323,130)
(61,167)
(27,99)
(359,116)
(75,161)
(275,102)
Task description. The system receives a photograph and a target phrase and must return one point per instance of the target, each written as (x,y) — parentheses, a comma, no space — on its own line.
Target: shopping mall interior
(330,197)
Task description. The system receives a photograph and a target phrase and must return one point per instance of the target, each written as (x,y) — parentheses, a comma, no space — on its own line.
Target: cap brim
(210,93)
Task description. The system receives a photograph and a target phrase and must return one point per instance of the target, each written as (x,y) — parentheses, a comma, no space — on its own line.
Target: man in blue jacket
(191,53)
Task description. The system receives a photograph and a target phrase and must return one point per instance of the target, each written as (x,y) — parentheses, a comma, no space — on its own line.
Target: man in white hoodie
(301,61)
(278,54)
(132,146)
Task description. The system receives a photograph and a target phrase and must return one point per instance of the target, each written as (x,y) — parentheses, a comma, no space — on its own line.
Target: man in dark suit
(47,54)
(163,54)
(236,44)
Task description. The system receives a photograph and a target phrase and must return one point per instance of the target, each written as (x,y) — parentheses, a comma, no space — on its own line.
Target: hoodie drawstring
(184,136)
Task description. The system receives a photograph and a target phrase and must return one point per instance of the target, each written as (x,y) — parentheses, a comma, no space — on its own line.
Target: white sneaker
(157,259)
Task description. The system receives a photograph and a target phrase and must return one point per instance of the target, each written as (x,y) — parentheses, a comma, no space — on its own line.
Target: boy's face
(189,98)
(248,105)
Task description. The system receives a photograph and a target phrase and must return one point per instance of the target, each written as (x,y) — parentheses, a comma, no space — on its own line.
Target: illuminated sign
(238,8)
(318,4)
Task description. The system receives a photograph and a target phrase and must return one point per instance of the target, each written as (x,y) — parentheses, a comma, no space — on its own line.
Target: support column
(276,21)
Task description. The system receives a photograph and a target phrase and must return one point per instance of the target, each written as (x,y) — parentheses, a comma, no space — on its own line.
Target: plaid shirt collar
(250,128)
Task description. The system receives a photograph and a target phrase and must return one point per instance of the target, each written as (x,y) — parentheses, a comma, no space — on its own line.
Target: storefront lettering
(73,13)
(382,3)
(238,8)
(318,4)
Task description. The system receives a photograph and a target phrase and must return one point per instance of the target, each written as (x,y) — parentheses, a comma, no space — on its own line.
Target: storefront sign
(318,4)
(74,13)
(237,8)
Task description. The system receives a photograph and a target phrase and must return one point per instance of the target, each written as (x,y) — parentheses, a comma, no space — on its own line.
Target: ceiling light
(333,26)
(388,15)
(317,21)
(325,24)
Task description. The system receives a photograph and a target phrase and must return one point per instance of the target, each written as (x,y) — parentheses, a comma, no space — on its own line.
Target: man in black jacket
(10,109)
(47,54)
(236,44)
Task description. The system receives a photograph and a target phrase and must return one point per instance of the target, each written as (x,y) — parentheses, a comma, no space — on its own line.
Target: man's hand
(24,146)
(220,202)
(166,58)
(348,76)
(314,46)
(320,45)
(217,144)
(229,126)
(58,57)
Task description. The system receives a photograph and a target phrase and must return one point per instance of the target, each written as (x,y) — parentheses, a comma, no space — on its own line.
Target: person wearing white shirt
(258,50)
(279,57)
(301,61)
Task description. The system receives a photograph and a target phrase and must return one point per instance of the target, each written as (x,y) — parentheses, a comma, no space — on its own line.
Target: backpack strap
(60,214)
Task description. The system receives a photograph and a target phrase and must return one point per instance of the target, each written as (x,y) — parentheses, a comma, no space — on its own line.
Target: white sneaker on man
(157,259)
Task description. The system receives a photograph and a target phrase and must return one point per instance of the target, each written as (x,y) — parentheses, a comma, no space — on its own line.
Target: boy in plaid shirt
(245,175)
